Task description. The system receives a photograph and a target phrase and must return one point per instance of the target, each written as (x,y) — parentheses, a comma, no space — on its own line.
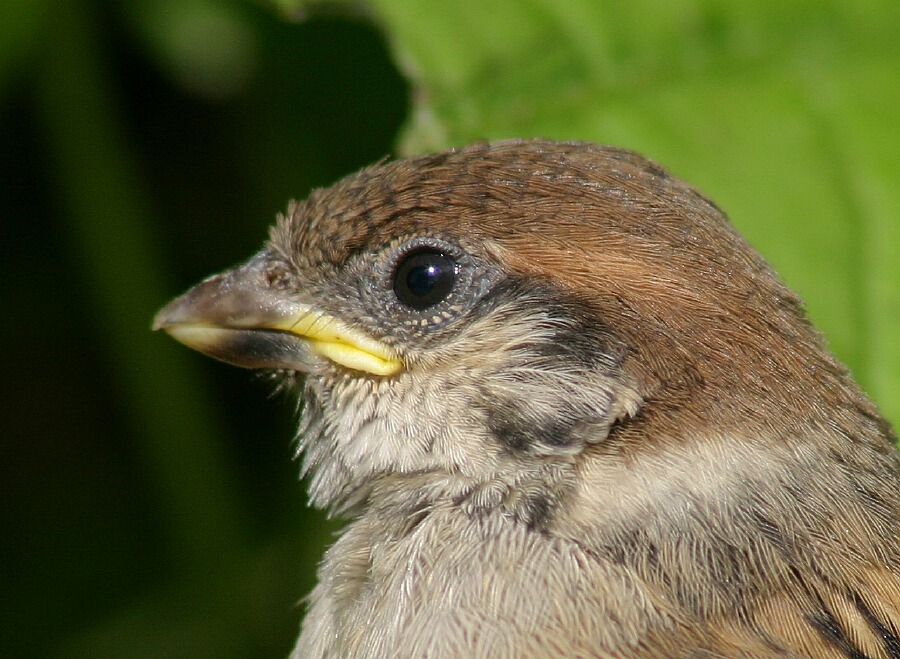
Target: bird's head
(505,309)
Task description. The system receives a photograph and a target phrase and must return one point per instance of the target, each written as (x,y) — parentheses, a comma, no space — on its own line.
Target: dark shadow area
(90,549)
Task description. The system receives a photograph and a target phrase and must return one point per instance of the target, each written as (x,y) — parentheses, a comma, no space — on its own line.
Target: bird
(565,410)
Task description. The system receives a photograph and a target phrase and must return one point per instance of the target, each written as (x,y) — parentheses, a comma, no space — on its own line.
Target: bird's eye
(424,277)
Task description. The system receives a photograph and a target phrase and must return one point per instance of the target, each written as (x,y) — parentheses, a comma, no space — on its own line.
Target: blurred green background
(150,507)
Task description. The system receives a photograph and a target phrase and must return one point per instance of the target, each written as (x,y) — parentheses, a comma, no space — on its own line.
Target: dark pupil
(424,278)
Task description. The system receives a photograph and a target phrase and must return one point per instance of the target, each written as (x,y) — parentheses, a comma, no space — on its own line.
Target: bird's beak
(239,318)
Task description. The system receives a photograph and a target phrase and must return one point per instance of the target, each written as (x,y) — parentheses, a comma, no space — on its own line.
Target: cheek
(410,423)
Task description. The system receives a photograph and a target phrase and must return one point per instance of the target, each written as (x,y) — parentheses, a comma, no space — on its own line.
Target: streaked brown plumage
(569,412)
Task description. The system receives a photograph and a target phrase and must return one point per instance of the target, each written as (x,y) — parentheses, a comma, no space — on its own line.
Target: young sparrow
(568,412)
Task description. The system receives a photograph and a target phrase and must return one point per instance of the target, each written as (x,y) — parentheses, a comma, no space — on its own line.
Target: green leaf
(784,113)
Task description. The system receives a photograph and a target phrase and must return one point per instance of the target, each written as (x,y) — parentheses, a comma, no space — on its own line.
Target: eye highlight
(424,277)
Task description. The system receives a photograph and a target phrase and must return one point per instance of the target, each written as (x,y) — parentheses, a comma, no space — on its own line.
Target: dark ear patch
(518,434)
(557,385)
